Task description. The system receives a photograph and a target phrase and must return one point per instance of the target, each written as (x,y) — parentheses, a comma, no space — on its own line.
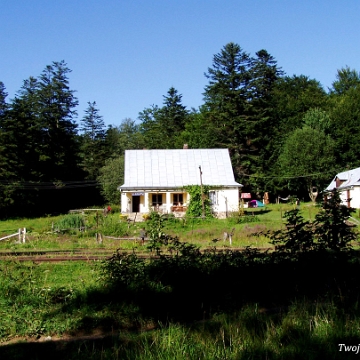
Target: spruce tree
(57,114)
(226,98)
(92,141)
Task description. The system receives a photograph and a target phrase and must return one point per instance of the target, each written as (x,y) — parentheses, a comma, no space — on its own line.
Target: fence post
(24,235)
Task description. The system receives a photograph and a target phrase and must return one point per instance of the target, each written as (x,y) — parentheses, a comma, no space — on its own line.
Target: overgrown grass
(59,299)
(31,293)
(191,305)
(203,233)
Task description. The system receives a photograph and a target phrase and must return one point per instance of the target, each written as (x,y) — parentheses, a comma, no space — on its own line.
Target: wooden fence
(21,234)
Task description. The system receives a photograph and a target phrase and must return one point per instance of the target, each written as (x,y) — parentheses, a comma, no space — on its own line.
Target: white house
(154,179)
(348,185)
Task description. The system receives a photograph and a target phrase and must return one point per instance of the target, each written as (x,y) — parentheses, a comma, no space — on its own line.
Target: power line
(282,177)
(54,185)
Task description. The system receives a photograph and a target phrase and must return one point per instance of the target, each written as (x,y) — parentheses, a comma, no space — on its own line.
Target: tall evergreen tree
(162,127)
(172,118)
(6,171)
(92,141)
(20,137)
(3,95)
(226,98)
(39,139)
(57,113)
(264,75)
(150,127)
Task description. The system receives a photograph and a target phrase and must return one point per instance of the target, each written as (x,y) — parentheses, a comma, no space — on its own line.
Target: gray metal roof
(166,169)
(349,178)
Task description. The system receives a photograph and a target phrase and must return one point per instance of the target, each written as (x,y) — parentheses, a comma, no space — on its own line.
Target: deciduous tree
(110,178)
(307,158)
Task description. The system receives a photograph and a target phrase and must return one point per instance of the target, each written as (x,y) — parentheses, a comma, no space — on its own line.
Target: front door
(136,203)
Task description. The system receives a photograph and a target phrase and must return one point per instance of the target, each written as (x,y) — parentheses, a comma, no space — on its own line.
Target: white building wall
(343,197)
(127,206)
(227,200)
(126,202)
(354,196)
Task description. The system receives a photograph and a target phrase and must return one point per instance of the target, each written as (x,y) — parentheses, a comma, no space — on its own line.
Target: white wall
(354,195)
(227,200)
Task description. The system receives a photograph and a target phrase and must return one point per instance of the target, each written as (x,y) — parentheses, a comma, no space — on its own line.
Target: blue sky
(126,54)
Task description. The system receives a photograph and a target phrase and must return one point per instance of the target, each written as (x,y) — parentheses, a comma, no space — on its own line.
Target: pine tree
(92,141)
(20,137)
(57,114)
(228,108)
(331,228)
(262,127)
(172,118)
(162,127)
(3,95)
(6,171)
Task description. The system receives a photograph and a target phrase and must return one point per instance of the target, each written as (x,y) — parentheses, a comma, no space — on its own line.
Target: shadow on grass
(202,340)
(256,211)
(238,305)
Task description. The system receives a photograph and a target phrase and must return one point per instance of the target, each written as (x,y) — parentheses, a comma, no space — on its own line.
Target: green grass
(37,225)
(33,295)
(304,330)
(203,231)
(208,232)
(71,298)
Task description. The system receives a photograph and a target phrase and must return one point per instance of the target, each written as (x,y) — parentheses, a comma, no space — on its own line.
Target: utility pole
(202,194)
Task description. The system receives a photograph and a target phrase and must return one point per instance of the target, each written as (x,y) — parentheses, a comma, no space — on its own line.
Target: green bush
(70,221)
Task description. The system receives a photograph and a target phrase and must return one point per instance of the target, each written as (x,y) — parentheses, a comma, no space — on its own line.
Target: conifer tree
(162,127)
(57,113)
(92,141)
(226,99)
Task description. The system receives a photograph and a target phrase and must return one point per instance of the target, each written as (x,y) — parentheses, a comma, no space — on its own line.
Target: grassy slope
(57,299)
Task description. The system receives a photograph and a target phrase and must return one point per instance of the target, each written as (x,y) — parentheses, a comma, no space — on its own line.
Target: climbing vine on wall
(195,206)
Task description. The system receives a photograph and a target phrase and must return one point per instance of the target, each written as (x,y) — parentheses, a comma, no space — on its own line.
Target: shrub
(197,198)
(70,221)
(330,230)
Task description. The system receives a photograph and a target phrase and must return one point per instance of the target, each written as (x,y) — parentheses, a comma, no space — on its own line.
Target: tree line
(285,134)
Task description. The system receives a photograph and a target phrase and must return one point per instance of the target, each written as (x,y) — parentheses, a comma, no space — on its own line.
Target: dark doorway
(136,203)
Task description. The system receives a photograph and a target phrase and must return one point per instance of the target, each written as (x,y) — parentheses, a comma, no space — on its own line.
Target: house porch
(161,201)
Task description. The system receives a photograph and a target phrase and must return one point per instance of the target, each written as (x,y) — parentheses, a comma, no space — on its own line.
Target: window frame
(213,197)
(158,199)
(179,199)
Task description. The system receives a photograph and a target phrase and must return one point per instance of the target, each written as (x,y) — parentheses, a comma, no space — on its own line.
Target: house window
(213,196)
(156,199)
(178,199)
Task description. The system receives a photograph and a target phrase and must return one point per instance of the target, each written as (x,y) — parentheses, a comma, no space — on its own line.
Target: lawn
(211,306)
(202,232)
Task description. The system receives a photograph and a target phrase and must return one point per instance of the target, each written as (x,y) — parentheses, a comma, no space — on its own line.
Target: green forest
(285,134)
